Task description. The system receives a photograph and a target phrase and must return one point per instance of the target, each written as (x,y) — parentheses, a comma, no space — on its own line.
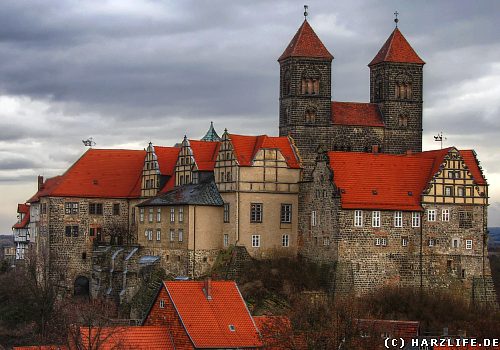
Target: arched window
(310,82)
(287,82)
(403,121)
(403,88)
(310,115)
(378,88)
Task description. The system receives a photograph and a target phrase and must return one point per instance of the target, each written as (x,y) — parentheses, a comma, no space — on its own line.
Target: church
(344,183)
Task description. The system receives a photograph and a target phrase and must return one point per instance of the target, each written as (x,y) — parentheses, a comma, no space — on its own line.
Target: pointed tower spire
(396,49)
(211,134)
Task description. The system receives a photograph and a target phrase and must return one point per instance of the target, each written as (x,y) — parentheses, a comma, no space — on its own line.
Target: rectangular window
(404,241)
(255,241)
(358,218)
(181,235)
(162,304)
(326,241)
(158,235)
(150,235)
(383,241)
(432,242)
(415,219)
(44,208)
(95,208)
(71,208)
(226,212)
(460,192)
(398,219)
(314,218)
(71,231)
(172,214)
(468,244)
(448,191)
(286,213)
(116,209)
(150,214)
(181,214)
(465,219)
(256,212)
(226,240)
(141,214)
(172,235)
(455,243)
(377,241)
(445,215)
(375,218)
(431,215)
(158,215)
(285,241)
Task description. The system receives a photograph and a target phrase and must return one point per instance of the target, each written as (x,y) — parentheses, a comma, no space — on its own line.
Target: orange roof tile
(205,153)
(470,159)
(277,333)
(396,328)
(306,43)
(103,173)
(246,147)
(131,337)
(46,188)
(356,113)
(41,347)
(208,321)
(396,49)
(167,158)
(23,209)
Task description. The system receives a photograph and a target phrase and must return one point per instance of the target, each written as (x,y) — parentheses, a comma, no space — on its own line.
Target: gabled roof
(167,158)
(208,322)
(130,337)
(469,156)
(356,113)
(192,194)
(23,209)
(103,173)
(205,153)
(46,188)
(396,49)
(388,181)
(396,328)
(246,147)
(306,43)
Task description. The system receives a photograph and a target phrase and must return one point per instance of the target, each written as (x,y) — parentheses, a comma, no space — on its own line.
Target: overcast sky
(129,72)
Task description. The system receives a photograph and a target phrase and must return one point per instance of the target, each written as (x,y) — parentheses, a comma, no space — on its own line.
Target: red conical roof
(396,49)
(306,43)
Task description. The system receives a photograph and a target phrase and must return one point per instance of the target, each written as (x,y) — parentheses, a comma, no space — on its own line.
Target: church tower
(396,82)
(305,91)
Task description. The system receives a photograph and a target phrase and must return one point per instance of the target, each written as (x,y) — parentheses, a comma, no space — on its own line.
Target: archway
(81,286)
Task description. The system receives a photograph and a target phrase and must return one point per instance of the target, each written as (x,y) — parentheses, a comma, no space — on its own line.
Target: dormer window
(232,328)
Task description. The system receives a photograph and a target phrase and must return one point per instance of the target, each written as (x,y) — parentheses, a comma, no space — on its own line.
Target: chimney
(375,149)
(40,182)
(208,288)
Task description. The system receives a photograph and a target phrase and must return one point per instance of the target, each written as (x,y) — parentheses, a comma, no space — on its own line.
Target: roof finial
(305,12)
(396,20)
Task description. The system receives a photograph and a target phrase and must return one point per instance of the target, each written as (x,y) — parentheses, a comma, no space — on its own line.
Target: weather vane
(305,11)
(89,142)
(440,138)
(396,20)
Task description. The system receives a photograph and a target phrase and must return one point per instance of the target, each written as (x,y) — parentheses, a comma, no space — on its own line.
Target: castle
(345,183)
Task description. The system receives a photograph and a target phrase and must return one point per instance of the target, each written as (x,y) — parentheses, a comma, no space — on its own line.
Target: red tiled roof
(207,321)
(306,43)
(277,333)
(396,49)
(23,209)
(131,337)
(46,188)
(356,113)
(395,328)
(109,173)
(41,347)
(167,158)
(469,156)
(246,147)
(205,153)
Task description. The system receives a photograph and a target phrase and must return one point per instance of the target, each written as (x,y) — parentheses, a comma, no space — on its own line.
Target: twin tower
(390,123)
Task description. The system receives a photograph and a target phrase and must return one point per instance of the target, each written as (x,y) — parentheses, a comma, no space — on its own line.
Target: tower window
(378,88)
(310,86)
(287,84)
(403,91)
(403,121)
(310,115)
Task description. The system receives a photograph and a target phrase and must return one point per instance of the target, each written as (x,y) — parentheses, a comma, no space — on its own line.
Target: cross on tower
(305,11)
(396,20)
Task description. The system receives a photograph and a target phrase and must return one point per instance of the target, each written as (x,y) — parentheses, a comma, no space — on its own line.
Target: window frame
(445,215)
(225,240)
(227,209)
(431,215)
(180,214)
(286,213)
(158,234)
(285,240)
(255,241)
(116,209)
(358,218)
(468,244)
(71,208)
(256,212)
(415,219)
(172,214)
(180,233)
(376,218)
(398,218)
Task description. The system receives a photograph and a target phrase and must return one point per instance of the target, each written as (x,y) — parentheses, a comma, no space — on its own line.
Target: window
(403,90)
(44,208)
(415,219)
(314,218)
(358,218)
(403,121)
(141,214)
(149,233)
(468,244)
(398,219)
(226,240)
(158,235)
(150,216)
(431,215)
(95,231)
(256,212)
(286,213)
(455,243)
(71,231)
(228,177)
(310,86)
(181,234)
(432,242)
(381,241)
(95,208)
(116,209)
(222,178)
(172,235)
(445,215)
(448,190)
(310,115)
(226,212)
(162,304)
(71,208)
(172,214)
(460,192)
(404,241)
(326,241)
(181,214)
(158,215)
(375,219)
(464,219)
(255,241)
(285,240)
(286,83)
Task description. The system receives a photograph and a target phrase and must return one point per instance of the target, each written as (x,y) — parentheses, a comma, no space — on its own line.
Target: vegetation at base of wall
(151,279)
